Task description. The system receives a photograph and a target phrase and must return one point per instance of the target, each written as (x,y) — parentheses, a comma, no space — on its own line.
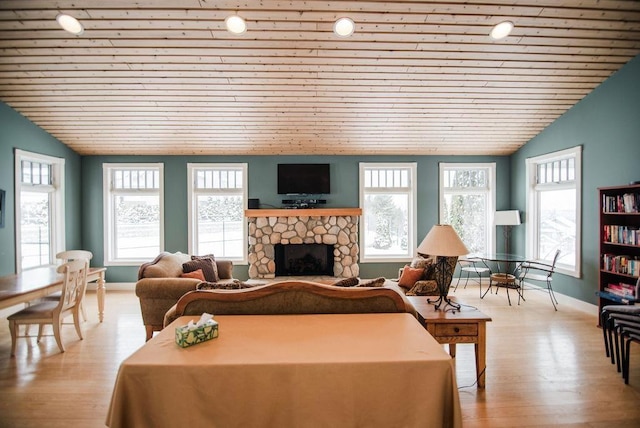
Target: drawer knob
(456,329)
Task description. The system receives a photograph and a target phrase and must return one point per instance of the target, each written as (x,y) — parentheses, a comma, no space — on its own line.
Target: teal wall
(606,123)
(17,132)
(262,185)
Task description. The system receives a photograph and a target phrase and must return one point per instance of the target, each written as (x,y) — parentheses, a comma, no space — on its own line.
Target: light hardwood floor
(544,368)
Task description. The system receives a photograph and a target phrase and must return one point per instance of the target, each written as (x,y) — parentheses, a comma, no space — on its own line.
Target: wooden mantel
(310,212)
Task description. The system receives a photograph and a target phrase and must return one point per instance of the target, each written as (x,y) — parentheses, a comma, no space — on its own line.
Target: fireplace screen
(304,259)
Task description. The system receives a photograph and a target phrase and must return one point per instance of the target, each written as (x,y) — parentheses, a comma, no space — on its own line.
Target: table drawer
(456,329)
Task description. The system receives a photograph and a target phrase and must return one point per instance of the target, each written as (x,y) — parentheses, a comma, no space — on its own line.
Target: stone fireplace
(336,227)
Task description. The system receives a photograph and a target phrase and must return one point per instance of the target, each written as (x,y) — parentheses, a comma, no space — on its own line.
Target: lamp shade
(507,218)
(442,240)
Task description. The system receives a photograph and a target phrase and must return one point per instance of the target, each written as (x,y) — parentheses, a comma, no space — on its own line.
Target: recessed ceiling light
(344,27)
(501,30)
(70,24)
(235,24)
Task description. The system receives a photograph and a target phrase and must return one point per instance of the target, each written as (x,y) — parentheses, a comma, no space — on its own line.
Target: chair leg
(84,312)
(13,328)
(603,325)
(617,338)
(488,289)
(40,331)
(76,322)
(467,280)
(57,324)
(625,362)
(552,296)
(610,334)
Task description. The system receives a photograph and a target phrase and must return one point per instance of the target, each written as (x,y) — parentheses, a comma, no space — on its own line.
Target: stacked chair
(620,327)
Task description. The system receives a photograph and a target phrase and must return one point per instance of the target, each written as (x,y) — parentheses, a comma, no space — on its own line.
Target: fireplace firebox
(303,259)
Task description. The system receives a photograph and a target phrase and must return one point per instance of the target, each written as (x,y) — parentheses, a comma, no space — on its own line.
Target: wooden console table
(465,326)
(36,283)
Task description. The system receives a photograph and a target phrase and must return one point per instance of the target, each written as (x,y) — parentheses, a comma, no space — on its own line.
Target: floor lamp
(507,219)
(442,241)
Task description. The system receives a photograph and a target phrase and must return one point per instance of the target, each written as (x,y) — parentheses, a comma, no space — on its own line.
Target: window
(467,203)
(217,198)
(39,186)
(134,212)
(553,207)
(387,196)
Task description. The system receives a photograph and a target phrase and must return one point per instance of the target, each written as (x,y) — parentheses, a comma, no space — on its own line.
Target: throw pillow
(376,282)
(207,265)
(409,276)
(197,274)
(421,262)
(347,282)
(207,256)
(424,288)
(426,262)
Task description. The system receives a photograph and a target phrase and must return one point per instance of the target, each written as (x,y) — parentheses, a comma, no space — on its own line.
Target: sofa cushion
(197,274)
(208,266)
(409,276)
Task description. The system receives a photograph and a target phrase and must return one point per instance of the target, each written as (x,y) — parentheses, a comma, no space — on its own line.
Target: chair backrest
(67,256)
(74,284)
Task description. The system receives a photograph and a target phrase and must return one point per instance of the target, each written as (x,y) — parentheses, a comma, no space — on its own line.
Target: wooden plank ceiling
(416,77)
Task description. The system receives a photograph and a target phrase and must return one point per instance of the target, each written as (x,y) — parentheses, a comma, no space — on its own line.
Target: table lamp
(442,241)
(507,219)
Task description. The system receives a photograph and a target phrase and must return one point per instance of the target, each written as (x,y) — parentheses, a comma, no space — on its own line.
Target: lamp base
(447,302)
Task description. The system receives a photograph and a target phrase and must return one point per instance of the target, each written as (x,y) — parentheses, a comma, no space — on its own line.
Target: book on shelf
(625,203)
(627,235)
(623,289)
(621,264)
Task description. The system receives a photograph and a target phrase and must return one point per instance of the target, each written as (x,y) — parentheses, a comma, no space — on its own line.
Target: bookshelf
(619,245)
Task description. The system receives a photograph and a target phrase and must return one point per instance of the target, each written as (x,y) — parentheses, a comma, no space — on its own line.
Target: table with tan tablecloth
(338,370)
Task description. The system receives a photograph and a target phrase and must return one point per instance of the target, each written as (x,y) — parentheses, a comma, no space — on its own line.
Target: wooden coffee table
(465,326)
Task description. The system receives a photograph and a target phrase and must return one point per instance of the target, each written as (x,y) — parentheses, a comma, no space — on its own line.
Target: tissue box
(186,337)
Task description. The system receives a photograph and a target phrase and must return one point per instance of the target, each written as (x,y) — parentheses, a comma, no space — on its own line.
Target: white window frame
(532,242)
(490,190)
(57,199)
(192,168)
(412,209)
(108,194)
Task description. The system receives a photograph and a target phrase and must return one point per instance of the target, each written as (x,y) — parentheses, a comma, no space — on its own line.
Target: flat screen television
(303,179)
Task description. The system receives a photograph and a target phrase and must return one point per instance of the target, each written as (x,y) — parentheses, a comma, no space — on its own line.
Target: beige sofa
(160,285)
(290,297)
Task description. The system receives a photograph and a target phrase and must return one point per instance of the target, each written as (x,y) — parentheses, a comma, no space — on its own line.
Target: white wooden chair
(51,312)
(67,256)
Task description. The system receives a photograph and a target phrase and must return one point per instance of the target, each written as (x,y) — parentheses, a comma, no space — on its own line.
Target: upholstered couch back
(290,297)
